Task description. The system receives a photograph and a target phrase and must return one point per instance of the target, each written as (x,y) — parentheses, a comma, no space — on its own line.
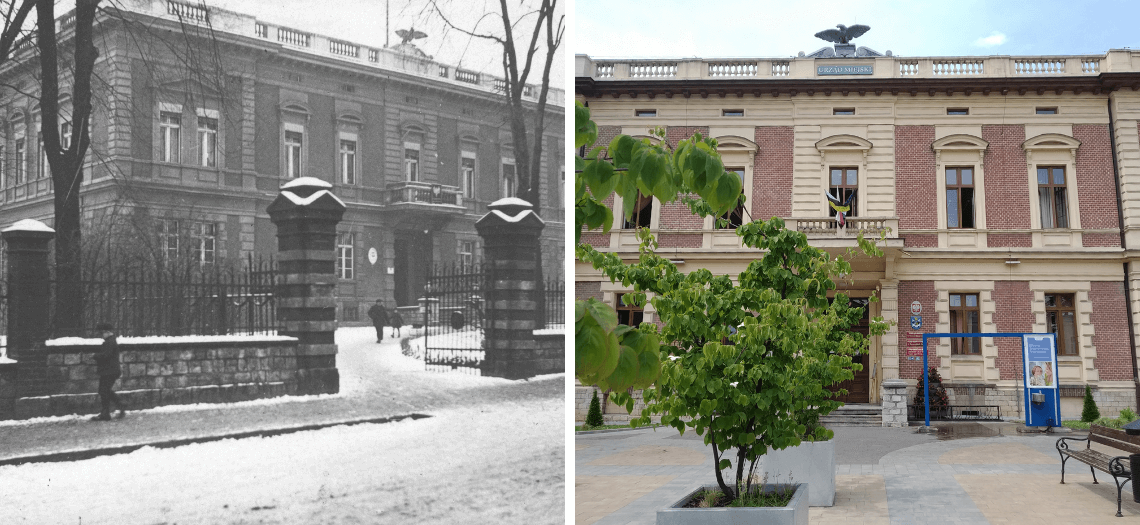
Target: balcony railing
(827,226)
(344,49)
(187,11)
(293,37)
(423,192)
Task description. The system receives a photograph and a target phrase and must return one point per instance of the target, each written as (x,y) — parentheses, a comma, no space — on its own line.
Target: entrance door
(858,387)
(413,262)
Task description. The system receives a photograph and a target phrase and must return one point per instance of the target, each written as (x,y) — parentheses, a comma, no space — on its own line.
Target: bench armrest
(1118,466)
(1062,445)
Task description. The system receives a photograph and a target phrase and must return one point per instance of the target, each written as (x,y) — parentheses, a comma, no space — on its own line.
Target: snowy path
(492,452)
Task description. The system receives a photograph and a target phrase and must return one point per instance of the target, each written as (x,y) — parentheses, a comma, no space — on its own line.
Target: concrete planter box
(796,513)
(810,462)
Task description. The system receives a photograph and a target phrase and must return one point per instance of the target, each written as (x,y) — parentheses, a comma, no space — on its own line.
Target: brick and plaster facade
(279,103)
(909,128)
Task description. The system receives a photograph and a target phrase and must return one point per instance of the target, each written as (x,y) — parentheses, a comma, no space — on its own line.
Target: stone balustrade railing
(1118,60)
(827,227)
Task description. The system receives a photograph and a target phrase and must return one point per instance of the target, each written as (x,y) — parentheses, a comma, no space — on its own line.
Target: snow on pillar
(510,249)
(306,215)
(29,289)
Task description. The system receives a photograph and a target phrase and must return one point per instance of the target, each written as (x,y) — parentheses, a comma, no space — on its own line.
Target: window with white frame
(510,178)
(347,158)
(344,258)
(3,167)
(168,239)
(170,132)
(411,161)
(65,135)
(204,238)
(467,173)
(21,160)
(466,253)
(42,162)
(1051,196)
(208,138)
(294,143)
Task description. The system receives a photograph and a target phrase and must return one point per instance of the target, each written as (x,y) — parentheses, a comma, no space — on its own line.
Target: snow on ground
(169,339)
(433,470)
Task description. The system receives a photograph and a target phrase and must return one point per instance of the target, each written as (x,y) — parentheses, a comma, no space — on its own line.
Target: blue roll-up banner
(1042,399)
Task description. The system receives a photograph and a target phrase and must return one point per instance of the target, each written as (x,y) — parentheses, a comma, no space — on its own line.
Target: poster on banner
(1040,362)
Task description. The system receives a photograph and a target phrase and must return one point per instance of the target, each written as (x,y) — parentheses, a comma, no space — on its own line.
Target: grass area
(777,496)
(607,427)
(1126,416)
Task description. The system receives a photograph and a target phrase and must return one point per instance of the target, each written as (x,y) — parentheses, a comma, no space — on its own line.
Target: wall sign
(867,69)
(372,255)
(916,308)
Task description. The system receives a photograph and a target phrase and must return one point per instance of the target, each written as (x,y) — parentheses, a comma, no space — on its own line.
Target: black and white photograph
(282,261)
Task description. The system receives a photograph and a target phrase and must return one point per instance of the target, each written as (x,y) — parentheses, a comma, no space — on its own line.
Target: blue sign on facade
(866,69)
(915,322)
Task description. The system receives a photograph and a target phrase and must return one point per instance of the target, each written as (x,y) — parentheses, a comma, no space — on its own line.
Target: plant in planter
(939,400)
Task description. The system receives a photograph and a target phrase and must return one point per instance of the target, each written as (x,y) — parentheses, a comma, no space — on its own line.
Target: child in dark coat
(107,365)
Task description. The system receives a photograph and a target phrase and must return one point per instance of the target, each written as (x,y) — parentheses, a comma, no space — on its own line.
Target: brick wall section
(584,290)
(923,292)
(1007,185)
(1013,305)
(1010,240)
(1093,240)
(168,374)
(675,215)
(680,240)
(1109,318)
(1094,180)
(772,173)
(925,240)
(917,204)
(606,135)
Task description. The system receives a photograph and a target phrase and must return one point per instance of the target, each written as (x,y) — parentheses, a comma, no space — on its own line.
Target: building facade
(1008,188)
(201,114)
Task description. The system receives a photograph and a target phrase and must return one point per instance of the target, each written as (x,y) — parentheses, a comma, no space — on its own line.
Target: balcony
(414,195)
(826,228)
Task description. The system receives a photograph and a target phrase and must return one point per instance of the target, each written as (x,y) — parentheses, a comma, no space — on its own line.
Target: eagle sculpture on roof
(844,34)
(411,34)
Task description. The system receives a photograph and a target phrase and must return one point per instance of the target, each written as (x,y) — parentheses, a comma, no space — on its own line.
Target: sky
(362,22)
(676,29)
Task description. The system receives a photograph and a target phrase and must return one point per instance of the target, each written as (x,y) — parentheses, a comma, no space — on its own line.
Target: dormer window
(645,113)
(957,111)
(732,113)
(1047,111)
(843,111)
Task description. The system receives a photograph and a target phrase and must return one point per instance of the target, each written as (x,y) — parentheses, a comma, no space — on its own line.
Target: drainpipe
(1120,221)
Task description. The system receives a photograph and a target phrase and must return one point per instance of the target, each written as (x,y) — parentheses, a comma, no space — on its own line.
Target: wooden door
(858,388)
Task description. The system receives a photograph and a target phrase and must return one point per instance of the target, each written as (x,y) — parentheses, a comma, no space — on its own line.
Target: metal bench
(1117,466)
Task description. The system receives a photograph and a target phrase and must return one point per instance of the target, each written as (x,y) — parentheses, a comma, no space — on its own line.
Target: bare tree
(526,125)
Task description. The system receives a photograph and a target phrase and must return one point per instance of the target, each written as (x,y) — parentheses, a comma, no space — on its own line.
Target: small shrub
(1109,422)
(1127,415)
(938,397)
(594,416)
(1090,412)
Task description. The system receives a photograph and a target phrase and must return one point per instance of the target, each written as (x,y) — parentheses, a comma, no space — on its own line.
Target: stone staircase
(854,416)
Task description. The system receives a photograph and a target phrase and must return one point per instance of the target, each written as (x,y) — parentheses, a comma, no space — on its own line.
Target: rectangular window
(348,161)
(957,111)
(844,184)
(3,169)
(965,319)
(629,315)
(467,174)
(411,162)
(42,165)
(508,180)
(65,135)
(645,113)
(735,217)
(1047,111)
(843,111)
(204,237)
(207,142)
(960,197)
(1061,316)
(466,253)
(732,113)
(21,161)
(170,128)
(1051,197)
(344,257)
(294,141)
(642,213)
(168,238)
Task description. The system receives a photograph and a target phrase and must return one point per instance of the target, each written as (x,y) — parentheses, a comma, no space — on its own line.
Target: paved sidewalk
(377,384)
(883,475)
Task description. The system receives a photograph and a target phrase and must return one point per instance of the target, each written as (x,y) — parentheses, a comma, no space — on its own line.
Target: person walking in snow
(107,365)
(379,316)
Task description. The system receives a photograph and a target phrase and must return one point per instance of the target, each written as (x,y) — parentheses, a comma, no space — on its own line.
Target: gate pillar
(29,313)
(511,247)
(306,214)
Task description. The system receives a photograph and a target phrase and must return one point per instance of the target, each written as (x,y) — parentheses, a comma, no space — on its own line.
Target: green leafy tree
(1090,412)
(594,416)
(621,357)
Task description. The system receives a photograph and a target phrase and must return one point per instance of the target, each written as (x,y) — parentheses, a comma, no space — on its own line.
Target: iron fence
(454,319)
(192,300)
(554,302)
(955,413)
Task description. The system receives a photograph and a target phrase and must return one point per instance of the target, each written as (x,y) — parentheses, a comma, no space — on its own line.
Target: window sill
(968,357)
(1074,358)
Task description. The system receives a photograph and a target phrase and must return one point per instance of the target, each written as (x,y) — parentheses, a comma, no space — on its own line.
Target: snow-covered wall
(154,374)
